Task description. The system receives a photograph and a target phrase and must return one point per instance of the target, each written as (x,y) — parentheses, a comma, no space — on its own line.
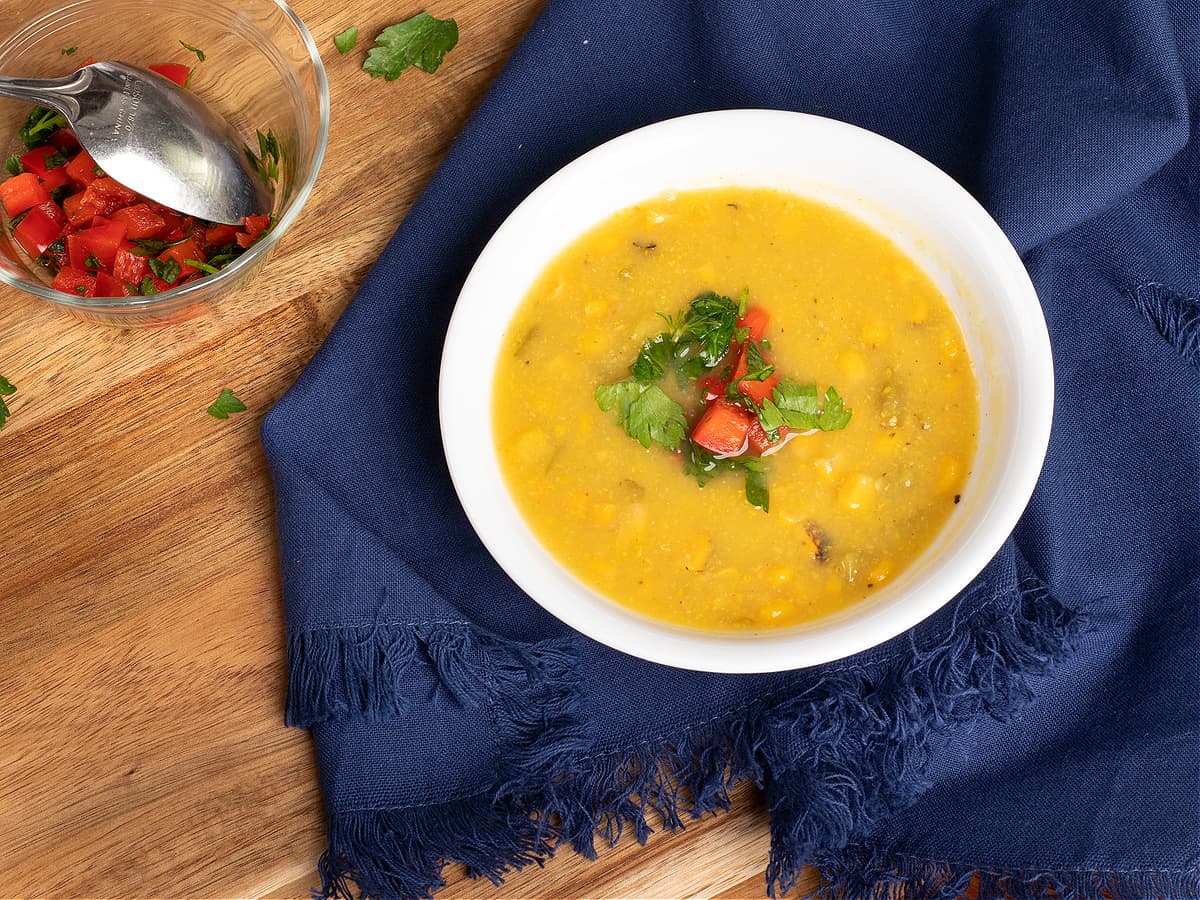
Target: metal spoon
(155,138)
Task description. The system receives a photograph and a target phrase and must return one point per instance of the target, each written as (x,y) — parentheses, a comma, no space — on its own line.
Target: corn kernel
(695,557)
(949,472)
(534,448)
(853,365)
(857,492)
(875,332)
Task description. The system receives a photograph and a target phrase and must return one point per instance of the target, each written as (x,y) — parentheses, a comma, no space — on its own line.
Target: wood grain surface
(142,747)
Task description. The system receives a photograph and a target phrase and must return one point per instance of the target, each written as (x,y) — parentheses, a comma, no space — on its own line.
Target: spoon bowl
(155,138)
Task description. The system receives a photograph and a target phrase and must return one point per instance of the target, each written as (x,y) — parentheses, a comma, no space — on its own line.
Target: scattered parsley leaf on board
(421,41)
(645,412)
(6,389)
(68,51)
(225,404)
(346,40)
(199,53)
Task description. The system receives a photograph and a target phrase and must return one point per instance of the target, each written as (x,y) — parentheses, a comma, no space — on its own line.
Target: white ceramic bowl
(900,194)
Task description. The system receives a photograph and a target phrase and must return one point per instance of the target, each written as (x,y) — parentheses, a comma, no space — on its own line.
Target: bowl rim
(862,625)
(259,250)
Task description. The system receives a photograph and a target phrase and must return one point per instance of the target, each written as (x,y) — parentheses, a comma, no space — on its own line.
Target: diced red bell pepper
(181,253)
(140,221)
(755,390)
(64,139)
(756,319)
(108,286)
(40,228)
(107,195)
(128,266)
(254,226)
(55,178)
(22,192)
(174,71)
(82,169)
(723,428)
(757,437)
(100,241)
(219,235)
(74,281)
(37,159)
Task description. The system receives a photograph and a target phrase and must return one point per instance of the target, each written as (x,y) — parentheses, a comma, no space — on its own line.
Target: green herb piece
(267,162)
(798,407)
(222,256)
(704,466)
(148,247)
(421,41)
(165,269)
(7,389)
(757,368)
(645,412)
(16,220)
(710,321)
(91,262)
(743,300)
(68,51)
(99,172)
(199,53)
(147,288)
(59,194)
(202,266)
(225,404)
(654,358)
(346,40)
(80,290)
(757,493)
(55,159)
(13,165)
(39,125)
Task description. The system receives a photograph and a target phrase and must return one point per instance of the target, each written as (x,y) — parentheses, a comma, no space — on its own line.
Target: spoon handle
(55,92)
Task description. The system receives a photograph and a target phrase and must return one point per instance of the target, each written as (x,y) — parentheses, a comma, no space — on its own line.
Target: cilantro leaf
(797,406)
(147,288)
(743,300)
(13,165)
(710,321)
(834,415)
(652,362)
(202,266)
(68,51)
(225,404)
(91,262)
(421,41)
(165,269)
(199,53)
(346,40)
(7,388)
(645,412)
(39,125)
(757,368)
(757,493)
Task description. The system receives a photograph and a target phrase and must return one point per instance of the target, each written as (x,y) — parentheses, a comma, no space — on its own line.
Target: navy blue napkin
(1040,731)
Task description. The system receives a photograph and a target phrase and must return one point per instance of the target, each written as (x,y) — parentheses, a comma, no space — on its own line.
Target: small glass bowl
(262,72)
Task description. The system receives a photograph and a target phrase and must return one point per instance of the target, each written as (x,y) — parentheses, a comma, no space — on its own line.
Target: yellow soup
(848,509)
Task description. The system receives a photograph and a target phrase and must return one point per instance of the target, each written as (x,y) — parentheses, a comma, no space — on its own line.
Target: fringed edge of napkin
(868,874)
(555,790)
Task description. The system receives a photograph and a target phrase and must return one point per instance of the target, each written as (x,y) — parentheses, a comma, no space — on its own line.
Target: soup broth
(848,509)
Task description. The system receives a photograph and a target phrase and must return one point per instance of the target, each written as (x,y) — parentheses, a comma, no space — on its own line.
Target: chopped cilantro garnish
(13,166)
(16,220)
(165,269)
(705,466)
(149,247)
(7,389)
(39,125)
(225,404)
(147,288)
(346,40)
(91,262)
(81,290)
(757,493)
(696,341)
(797,406)
(202,266)
(55,159)
(421,41)
(199,53)
(645,412)
(267,161)
(68,51)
